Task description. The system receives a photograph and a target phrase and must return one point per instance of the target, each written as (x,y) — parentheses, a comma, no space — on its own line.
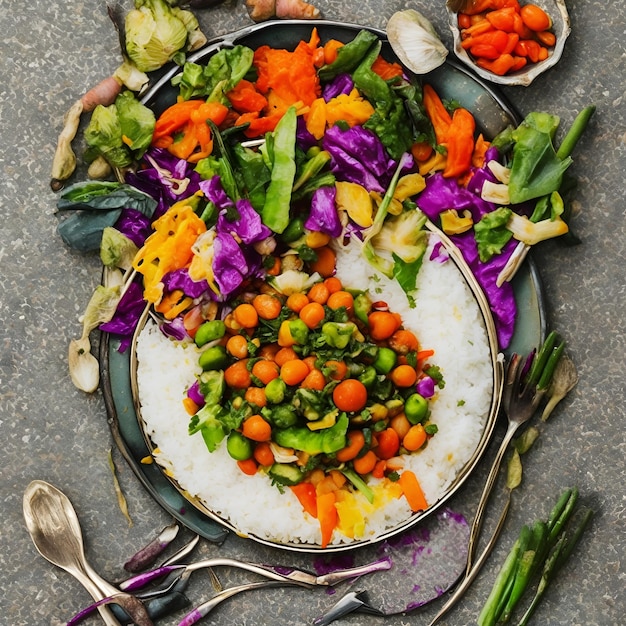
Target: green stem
(557,559)
(575,132)
(548,371)
(562,519)
(541,358)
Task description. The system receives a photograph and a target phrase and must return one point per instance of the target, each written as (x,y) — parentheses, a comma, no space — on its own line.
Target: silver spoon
(55,530)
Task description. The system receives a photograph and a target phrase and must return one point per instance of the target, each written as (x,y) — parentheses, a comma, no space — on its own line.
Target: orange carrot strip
(437,113)
(460,143)
(412,491)
(327,516)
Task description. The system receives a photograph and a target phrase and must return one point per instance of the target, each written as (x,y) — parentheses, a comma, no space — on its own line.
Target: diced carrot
(191,408)
(421,151)
(248,467)
(412,491)
(330,50)
(500,66)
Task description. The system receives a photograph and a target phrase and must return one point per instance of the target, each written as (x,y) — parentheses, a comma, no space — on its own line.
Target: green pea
(209,331)
(239,447)
(385,360)
(283,416)
(213,358)
(416,408)
(275,391)
(368,376)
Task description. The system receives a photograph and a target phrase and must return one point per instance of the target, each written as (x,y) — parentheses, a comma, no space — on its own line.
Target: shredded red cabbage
(323,216)
(179,279)
(134,225)
(342,84)
(126,317)
(358,156)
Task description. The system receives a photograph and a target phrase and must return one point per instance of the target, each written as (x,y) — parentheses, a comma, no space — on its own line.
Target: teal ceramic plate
(452,82)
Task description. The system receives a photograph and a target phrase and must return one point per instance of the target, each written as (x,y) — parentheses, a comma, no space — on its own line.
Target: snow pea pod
(348,56)
(275,212)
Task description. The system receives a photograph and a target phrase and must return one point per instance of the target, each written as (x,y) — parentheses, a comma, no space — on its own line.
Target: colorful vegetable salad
(266,157)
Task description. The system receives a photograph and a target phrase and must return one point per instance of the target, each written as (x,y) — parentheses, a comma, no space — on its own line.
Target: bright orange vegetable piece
(330,50)
(325,263)
(421,151)
(460,143)
(291,76)
(437,113)
(350,395)
(412,491)
(256,428)
(174,117)
(382,325)
(263,454)
(305,492)
(356,441)
(248,467)
(266,371)
(414,438)
(245,98)
(388,443)
(385,69)
(327,516)
(237,375)
(314,380)
(365,464)
(312,314)
(535,17)
(294,372)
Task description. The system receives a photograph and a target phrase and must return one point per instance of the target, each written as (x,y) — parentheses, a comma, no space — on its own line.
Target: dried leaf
(514,471)
(121,500)
(563,381)
(526,440)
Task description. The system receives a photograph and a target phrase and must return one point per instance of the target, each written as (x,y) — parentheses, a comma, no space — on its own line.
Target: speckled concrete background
(51,51)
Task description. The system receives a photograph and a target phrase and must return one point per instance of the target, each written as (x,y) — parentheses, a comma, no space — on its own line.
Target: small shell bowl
(561,27)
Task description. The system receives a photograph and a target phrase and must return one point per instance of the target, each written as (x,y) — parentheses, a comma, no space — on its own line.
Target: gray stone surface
(51,51)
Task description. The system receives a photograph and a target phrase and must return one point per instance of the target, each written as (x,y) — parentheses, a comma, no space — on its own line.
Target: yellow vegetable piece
(453,224)
(168,248)
(436,163)
(395,206)
(351,519)
(408,186)
(316,118)
(316,239)
(356,201)
(349,108)
(327,421)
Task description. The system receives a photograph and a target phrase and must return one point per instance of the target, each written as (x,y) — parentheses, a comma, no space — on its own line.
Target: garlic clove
(415,42)
(84,367)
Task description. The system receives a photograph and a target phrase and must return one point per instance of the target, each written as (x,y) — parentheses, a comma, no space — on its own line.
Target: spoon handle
(96,593)
(471,574)
(484,497)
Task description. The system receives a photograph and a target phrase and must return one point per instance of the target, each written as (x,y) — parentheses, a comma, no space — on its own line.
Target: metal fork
(519,401)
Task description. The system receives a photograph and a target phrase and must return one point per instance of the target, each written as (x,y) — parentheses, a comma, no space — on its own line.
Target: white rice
(446,319)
